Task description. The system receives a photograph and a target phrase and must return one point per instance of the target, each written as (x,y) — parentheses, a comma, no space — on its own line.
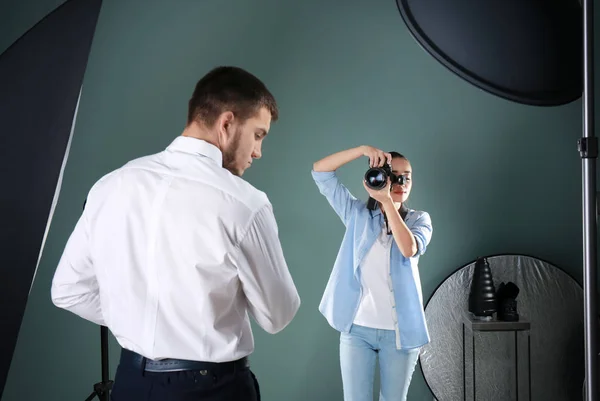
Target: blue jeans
(358,351)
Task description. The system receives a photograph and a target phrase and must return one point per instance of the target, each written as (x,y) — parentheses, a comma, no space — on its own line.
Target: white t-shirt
(376,309)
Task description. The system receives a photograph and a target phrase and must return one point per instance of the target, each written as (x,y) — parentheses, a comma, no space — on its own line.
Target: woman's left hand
(380,195)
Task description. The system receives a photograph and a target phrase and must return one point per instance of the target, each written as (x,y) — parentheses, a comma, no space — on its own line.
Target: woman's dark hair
(396,155)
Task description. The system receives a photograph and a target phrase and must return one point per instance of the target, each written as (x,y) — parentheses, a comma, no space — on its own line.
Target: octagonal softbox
(526,51)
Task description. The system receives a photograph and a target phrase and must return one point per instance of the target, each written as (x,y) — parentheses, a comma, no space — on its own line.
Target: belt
(131,358)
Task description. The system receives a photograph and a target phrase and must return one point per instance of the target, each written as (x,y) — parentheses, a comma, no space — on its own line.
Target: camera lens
(376,178)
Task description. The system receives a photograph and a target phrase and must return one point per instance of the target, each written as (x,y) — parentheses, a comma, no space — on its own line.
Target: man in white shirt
(173,250)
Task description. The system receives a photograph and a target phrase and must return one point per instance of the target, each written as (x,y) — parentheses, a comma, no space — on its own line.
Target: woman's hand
(380,195)
(377,157)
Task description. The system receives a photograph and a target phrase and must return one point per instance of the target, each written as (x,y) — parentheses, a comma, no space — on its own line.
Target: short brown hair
(229,89)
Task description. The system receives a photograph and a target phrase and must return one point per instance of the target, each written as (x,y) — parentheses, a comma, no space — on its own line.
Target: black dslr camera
(376,177)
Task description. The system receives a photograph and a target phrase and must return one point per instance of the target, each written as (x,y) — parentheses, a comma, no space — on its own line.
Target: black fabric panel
(40,79)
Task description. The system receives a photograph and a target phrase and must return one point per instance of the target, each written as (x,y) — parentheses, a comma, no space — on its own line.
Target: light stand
(102,389)
(588,149)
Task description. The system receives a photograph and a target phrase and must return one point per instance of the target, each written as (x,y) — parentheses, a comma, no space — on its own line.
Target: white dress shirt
(172,252)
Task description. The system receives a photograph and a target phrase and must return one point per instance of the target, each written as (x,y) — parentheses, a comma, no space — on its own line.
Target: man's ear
(225,121)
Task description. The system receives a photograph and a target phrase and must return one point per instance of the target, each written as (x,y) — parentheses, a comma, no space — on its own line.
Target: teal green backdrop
(495,176)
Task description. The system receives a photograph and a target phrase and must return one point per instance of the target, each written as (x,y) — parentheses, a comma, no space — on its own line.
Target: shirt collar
(196,146)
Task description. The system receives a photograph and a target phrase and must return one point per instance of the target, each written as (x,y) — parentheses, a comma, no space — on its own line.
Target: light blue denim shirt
(343,291)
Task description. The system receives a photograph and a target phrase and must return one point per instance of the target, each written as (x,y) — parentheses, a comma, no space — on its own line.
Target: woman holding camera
(373,296)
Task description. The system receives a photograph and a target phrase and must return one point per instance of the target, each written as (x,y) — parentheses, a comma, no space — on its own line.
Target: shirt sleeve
(422,231)
(266,281)
(338,196)
(74,285)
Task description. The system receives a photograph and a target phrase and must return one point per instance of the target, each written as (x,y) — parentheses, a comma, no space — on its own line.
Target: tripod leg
(91,397)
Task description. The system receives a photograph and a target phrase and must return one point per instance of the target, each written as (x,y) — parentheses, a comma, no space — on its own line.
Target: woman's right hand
(377,157)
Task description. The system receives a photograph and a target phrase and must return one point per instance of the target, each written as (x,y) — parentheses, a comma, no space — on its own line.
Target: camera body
(376,177)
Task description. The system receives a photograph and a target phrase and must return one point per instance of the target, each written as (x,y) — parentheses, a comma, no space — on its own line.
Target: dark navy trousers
(213,382)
